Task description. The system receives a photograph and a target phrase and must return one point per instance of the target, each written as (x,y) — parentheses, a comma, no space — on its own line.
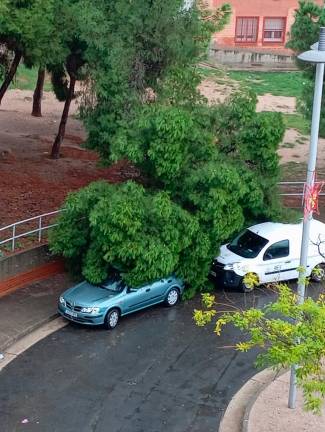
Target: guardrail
(293,185)
(42,223)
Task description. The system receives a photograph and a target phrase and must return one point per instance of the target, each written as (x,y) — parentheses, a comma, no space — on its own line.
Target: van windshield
(247,244)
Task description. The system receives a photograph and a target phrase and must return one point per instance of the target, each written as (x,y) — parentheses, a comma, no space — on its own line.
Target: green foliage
(145,235)
(130,53)
(251,280)
(28,27)
(49,33)
(287,333)
(197,194)
(2,71)
(205,170)
(304,32)
(59,81)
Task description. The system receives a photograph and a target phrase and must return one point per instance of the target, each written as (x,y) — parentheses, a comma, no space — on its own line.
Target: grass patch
(287,145)
(276,83)
(302,140)
(293,171)
(211,72)
(298,122)
(26,78)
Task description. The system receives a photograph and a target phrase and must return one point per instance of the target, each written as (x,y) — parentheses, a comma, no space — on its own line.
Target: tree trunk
(38,94)
(55,154)
(10,75)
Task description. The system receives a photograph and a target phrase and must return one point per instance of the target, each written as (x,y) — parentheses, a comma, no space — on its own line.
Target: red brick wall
(260,9)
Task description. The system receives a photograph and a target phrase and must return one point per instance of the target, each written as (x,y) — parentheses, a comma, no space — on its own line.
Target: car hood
(87,294)
(228,257)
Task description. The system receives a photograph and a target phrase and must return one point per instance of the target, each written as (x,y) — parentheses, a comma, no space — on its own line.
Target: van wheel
(317,274)
(245,287)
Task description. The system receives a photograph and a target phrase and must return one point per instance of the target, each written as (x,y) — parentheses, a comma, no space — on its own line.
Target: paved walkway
(270,412)
(27,308)
(261,405)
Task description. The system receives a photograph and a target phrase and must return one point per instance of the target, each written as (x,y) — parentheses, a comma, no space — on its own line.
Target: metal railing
(294,185)
(42,223)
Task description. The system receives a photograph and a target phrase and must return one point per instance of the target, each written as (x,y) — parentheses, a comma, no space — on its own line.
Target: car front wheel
(112,319)
(246,287)
(172,297)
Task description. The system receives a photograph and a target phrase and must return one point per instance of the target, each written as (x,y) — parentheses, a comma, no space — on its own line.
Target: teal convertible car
(106,303)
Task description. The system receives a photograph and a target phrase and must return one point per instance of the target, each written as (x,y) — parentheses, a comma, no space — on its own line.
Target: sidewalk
(27,308)
(261,405)
(270,412)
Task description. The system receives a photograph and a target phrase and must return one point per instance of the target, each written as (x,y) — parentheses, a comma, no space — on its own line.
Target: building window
(274,29)
(246,29)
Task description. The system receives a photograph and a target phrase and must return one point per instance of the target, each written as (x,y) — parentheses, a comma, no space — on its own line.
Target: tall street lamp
(315,56)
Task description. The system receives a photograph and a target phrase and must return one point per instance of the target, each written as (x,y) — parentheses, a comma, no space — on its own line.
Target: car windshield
(247,244)
(113,284)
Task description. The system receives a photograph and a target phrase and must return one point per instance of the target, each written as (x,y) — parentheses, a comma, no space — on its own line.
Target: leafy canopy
(276,330)
(194,195)
(304,32)
(205,170)
(145,235)
(29,27)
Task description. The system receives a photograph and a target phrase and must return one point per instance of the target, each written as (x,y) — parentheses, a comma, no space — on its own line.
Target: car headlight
(230,266)
(92,310)
(62,301)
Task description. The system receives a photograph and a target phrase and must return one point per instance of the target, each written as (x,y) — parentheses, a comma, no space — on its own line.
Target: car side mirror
(130,290)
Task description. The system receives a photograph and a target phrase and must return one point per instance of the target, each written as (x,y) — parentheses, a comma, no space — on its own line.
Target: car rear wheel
(111,319)
(172,297)
(317,274)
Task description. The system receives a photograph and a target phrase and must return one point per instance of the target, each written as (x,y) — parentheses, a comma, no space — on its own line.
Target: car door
(158,289)
(137,298)
(277,265)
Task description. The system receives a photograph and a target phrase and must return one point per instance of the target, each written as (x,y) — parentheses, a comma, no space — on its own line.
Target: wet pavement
(28,308)
(155,372)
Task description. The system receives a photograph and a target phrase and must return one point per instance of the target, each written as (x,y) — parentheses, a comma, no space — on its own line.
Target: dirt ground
(294,147)
(30,182)
(217,92)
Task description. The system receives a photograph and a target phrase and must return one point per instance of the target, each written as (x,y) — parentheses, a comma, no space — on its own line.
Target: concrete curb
(27,331)
(255,396)
(235,418)
(24,343)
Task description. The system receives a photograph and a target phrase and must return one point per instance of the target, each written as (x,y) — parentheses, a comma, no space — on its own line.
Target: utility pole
(315,56)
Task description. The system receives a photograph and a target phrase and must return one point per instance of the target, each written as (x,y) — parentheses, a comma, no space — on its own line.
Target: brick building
(257,24)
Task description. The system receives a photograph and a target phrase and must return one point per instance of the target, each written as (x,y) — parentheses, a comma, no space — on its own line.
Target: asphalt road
(155,372)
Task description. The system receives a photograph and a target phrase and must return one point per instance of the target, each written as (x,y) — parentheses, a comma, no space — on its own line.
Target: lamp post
(315,56)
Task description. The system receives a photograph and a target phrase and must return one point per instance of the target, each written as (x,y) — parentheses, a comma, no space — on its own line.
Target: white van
(271,251)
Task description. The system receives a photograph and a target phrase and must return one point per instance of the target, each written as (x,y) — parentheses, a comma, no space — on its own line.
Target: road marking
(26,342)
